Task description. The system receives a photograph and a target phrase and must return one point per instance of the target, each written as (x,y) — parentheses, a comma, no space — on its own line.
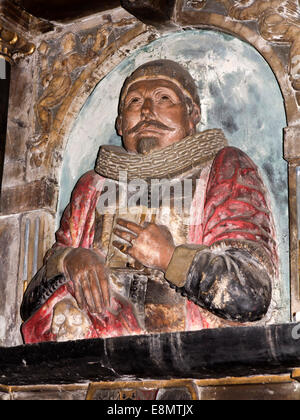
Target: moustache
(149,124)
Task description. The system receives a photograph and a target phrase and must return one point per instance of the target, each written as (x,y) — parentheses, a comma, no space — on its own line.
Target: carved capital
(13,45)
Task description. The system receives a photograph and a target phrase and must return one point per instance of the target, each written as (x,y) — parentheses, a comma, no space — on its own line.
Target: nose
(147,110)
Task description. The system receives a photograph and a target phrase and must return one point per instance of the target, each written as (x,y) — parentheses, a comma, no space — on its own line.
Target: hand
(151,245)
(86,269)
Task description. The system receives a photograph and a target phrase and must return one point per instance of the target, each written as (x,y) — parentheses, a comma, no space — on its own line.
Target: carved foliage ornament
(61,66)
(57,81)
(14,46)
(278,22)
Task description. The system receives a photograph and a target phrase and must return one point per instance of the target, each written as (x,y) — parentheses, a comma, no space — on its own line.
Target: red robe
(234,208)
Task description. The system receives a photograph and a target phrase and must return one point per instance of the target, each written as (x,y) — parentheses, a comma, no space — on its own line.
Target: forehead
(149,86)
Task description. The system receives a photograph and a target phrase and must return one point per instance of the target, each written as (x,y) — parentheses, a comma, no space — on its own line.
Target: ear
(195,116)
(119,126)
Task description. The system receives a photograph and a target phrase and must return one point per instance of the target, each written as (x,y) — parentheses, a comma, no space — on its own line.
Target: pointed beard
(146,145)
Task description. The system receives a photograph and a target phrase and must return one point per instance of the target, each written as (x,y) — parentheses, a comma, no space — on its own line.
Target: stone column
(292,156)
(4,96)
(20,233)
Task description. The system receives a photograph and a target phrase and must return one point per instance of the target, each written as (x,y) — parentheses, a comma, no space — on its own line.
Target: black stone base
(195,355)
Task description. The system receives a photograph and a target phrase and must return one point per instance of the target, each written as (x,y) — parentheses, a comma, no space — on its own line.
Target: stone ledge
(41,194)
(234,352)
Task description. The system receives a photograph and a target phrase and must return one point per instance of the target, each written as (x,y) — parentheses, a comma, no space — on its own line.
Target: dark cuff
(181,262)
(40,289)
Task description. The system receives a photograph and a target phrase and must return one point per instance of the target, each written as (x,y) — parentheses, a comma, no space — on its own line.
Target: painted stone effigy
(172,232)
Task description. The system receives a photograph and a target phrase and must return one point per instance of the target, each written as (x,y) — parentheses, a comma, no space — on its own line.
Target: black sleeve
(39,291)
(230,283)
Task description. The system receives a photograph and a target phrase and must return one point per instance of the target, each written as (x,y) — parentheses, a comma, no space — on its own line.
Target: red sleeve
(37,329)
(236,205)
(77,227)
(121,321)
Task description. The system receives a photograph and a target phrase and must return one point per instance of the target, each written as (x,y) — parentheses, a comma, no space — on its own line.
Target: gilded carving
(57,81)
(14,46)
(146,390)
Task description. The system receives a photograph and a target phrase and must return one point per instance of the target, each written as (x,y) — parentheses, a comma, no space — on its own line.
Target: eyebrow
(138,91)
(172,91)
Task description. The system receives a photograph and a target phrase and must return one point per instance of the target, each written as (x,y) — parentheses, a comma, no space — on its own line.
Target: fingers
(85,269)
(127,236)
(79,295)
(125,249)
(97,296)
(87,284)
(104,289)
(137,229)
(91,292)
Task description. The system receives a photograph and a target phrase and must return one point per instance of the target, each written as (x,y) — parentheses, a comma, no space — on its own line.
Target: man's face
(155,115)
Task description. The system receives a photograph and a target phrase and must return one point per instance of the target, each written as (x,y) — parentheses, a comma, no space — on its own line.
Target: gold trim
(14,40)
(191,384)
(252,380)
(5,388)
(174,383)
(296,374)
(25,286)
(30,51)
(31,388)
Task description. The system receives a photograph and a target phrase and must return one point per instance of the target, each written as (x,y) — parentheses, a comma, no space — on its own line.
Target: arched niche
(239,93)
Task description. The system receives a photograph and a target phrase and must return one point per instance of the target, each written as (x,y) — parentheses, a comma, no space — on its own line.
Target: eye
(134,101)
(164,98)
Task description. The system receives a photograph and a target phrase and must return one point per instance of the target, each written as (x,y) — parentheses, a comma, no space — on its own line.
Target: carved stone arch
(97,68)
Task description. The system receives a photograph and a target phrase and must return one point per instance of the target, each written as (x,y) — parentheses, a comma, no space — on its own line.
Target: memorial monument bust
(171,232)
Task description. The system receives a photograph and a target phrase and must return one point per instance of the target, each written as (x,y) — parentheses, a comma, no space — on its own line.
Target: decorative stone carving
(57,81)
(194,4)
(13,45)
